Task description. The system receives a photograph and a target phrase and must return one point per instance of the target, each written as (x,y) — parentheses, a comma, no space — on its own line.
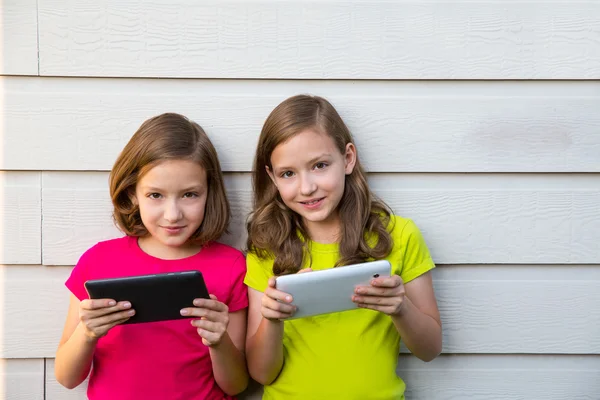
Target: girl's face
(309,172)
(172,198)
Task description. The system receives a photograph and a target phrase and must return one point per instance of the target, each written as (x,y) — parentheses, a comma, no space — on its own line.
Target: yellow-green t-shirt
(346,355)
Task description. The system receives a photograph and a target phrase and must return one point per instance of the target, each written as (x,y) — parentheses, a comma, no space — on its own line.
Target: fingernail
(359,291)
(197,301)
(126,305)
(130,312)
(288,298)
(112,303)
(184,312)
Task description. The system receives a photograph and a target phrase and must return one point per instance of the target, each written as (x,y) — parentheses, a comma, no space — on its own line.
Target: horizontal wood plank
(21,379)
(501,315)
(491,377)
(477,377)
(20,217)
(18,37)
(34,303)
(398,126)
(55,391)
(498,219)
(321,40)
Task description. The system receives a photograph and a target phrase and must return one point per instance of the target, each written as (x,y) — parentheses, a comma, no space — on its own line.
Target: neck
(325,232)
(149,246)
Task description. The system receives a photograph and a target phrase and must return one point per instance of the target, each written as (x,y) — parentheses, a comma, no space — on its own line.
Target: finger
(211,304)
(93,304)
(378,291)
(113,324)
(278,295)
(111,319)
(205,313)
(209,338)
(376,300)
(275,315)
(99,312)
(384,309)
(208,325)
(275,305)
(390,281)
(272,282)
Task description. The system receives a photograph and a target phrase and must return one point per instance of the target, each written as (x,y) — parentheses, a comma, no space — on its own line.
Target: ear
(270,173)
(350,158)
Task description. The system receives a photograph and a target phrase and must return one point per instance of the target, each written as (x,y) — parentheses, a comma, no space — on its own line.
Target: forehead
(303,147)
(174,174)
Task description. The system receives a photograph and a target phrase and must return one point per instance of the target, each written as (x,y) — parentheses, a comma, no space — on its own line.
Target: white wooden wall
(480,120)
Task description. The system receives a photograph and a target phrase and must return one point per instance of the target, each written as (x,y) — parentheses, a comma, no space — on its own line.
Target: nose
(307,185)
(172,212)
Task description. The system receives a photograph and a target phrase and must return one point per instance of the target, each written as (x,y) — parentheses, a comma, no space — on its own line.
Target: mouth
(173,229)
(312,202)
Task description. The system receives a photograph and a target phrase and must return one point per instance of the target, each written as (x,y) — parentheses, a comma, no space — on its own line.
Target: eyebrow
(188,189)
(311,161)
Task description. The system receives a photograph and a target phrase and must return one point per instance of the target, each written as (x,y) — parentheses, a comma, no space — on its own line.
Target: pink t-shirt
(157,360)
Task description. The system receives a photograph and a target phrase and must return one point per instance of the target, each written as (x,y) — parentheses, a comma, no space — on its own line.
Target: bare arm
(228,359)
(418,321)
(86,322)
(264,346)
(224,334)
(413,310)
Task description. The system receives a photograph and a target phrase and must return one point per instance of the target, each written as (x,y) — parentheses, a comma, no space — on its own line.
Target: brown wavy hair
(165,137)
(276,231)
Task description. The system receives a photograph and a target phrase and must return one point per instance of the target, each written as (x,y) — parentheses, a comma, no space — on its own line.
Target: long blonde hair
(276,231)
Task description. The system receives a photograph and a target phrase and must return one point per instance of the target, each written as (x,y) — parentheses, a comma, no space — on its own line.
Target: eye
(320,165)
(190,195)
(287,174)
(154,195)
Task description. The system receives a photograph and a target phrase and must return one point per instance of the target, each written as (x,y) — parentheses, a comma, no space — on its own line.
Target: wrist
(88,338)
(403,310)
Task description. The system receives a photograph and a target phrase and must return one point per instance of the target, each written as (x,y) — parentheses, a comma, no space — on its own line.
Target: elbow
(238,388)
(433,353)
(65,379)
(262,379)
(67,383)
(262,376)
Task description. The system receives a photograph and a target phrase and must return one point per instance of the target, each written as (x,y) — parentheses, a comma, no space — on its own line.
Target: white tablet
(329,290)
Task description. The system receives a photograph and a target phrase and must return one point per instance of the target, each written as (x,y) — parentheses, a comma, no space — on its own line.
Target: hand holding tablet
(324,291)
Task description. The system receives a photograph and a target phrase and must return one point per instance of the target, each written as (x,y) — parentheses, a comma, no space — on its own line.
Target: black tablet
(157,297)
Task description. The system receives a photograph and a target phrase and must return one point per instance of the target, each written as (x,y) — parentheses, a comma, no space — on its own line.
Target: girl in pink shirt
(169,199)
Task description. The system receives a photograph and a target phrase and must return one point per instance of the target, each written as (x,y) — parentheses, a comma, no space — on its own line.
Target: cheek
(286,190)
(149,209)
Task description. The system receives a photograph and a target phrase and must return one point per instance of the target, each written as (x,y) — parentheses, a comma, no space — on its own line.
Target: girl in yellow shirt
(313,210)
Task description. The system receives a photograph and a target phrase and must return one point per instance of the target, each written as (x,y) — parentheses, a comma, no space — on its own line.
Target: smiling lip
(313,203)
(173,229)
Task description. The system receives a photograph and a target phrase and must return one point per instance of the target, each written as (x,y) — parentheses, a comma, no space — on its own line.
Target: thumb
(212,296)
(305,270)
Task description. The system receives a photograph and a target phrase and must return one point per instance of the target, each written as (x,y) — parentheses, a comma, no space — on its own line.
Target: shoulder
(260,261)
(225,256)
(223,252)
(108,248)
(401,228)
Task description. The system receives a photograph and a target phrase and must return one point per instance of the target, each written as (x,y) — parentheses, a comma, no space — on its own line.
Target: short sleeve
(79,274)
(258,273)
(416,259)
(238,299)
